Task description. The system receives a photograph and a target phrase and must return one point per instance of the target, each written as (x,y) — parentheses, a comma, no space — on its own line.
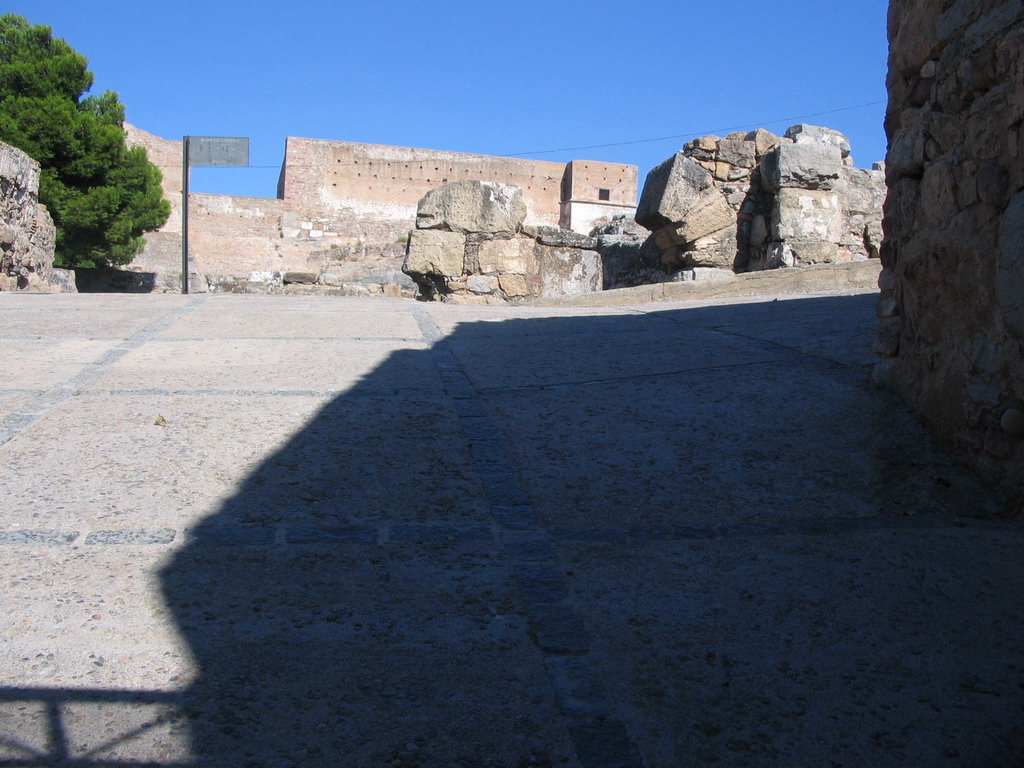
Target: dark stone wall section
(951,311)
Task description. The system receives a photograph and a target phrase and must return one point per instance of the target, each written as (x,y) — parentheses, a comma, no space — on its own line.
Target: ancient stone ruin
(755,201)
(27,234)
(951,333)
(748,202)
(471,246)
(343,211)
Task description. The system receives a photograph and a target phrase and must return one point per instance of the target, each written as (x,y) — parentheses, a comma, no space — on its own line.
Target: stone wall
(27,234)
(343,212)
(754,201)
(951,333)
(471,246)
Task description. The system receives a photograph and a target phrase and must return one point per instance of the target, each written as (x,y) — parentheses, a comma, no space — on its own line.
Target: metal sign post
(205,151)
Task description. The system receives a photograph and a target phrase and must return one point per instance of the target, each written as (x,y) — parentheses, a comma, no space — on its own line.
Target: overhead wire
(745,126)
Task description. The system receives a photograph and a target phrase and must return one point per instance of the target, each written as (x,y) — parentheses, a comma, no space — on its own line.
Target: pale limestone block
(514,285)
(517,256)
(809,215)
(482,283)
(569,271)
(805,166)
(472,206)
(435,252)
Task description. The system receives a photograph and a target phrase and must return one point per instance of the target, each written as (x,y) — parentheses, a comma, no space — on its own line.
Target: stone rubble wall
(27,234)
(951,328)
(471,246)
(754,201)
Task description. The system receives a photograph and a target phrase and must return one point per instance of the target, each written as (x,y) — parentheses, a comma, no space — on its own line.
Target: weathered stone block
(671,190)
(737,152)
(482,283)
(568,272)
(793,253)
(560,237)
(516,255)
(515,286)
(472,206)
(764,141)
(816,134)
(804,166)
(435,252)
(809,215)
(300,278)
(701,273)
(716,250)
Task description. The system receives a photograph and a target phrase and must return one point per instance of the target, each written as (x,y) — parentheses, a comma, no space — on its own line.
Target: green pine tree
(102,195)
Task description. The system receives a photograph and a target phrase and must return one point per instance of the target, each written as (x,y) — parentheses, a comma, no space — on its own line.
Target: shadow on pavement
(385,588)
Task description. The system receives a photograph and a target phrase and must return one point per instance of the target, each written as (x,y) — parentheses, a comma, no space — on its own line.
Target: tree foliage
(102,194)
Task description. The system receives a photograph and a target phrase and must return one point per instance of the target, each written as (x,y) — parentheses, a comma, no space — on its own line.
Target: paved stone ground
(286,531)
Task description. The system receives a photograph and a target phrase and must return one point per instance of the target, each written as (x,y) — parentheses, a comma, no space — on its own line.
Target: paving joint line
(636,377)
(17,422)
(599,738)
(514,527)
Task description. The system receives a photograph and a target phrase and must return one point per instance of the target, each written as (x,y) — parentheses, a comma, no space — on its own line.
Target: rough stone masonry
(471,246)
(754,201)
(748,202)
(27,234)
(951,334)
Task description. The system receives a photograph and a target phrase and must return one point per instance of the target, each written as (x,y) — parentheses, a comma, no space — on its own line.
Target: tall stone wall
(951,334)
(388,182)
(27,234)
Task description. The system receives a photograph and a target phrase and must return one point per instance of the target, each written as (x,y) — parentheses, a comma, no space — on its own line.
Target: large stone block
(764,141)
(513,256)
(472,206)
(560,237)
(717,250)
(797,253)
(681,202)
(816,134)
(737,152)
(435,252)
(568,271)
(803,166)
(671,190)
(808,215)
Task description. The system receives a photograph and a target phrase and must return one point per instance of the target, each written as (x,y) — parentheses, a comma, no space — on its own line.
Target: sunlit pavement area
(294,531)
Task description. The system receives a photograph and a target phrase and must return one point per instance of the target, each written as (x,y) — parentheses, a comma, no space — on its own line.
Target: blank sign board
(218,150)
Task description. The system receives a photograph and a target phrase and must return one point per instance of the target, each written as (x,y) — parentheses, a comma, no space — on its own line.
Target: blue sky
(490,78)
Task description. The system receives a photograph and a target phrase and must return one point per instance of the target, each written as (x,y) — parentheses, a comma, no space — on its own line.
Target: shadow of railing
(51,744)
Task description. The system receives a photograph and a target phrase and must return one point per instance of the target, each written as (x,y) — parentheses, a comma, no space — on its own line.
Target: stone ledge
(848,277)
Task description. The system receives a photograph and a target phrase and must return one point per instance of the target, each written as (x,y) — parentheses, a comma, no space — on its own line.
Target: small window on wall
(604,194)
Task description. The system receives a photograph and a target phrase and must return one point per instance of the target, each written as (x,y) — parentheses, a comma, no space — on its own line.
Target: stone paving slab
(67,316)
(132,472)
(43,363)
(852,649)
(298,318)
(253,365)
(382,533)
